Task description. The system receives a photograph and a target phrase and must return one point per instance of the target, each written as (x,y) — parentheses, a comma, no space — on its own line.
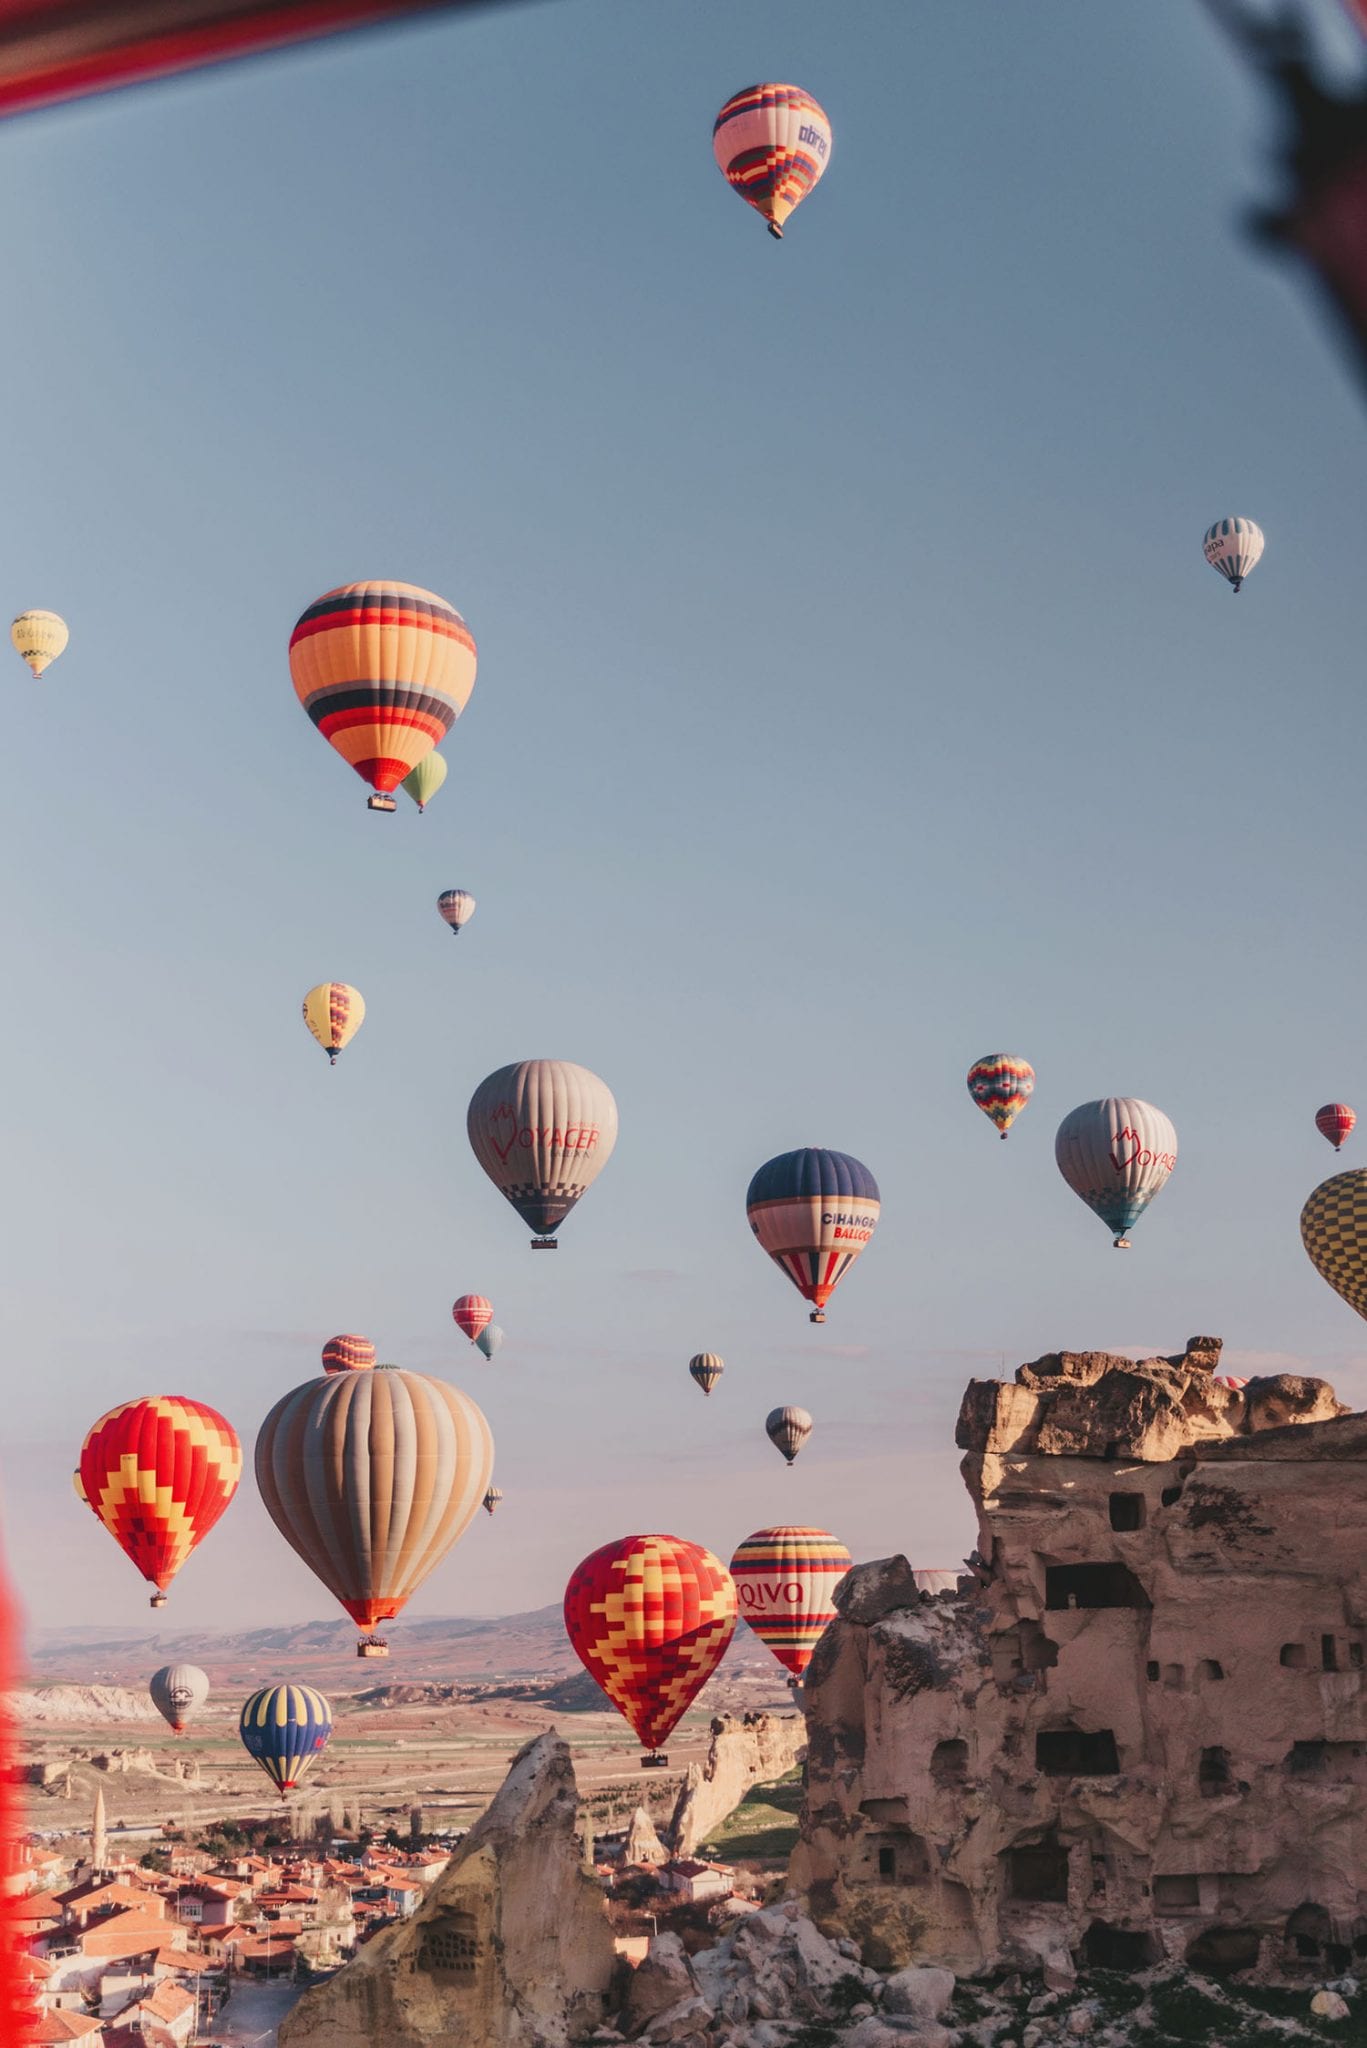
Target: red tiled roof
(168,2002)
(60,2025)
(37,1906)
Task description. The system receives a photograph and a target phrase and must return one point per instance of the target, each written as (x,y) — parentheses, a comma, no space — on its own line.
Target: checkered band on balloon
(159,1472)
(1334,1233)
(650,1619)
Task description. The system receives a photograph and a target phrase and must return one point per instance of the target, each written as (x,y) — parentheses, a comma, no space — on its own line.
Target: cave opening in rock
(1329,1653)
(1310,1938)
(1127,1511)
(1214,1775)
(1037,1872)
(1072,1752)
(1209,1670)
(1180,1893)
(1294,1656)
(894,1854)
(949,1763)
(1224,1951)
(1117,1948)
(1092,1585)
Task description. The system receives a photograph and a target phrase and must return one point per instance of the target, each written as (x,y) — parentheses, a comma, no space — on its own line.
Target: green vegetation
(763,1828)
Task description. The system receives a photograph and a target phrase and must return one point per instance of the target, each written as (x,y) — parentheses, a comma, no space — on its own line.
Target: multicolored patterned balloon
(543,1131)
(158,1472)
(472,1313)
(1334,1122)
(492,1499)
(1001,1085)
(772,144)
(706,1368)
(456,907)
(788,1430)
(785,1579)
(384,670)
(348,1354)
(285,1728)
(1115,1155)
(425,780)
(38,638)
(1234,546)
(334,1013)
(1334,1233)
(813,1212)
(650,1618)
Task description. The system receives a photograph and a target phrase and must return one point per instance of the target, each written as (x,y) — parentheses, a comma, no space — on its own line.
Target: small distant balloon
(1234,547)
(39,637)
(788,1430)
(178,1692)
(348,1354)
(489,1340)
(285,1728)
(1230,1380)
(772,144)
(334,1013)
(1001,1085)
(457,907)
(1115,1155)
(1334,1122)
(423,782)
(472,1313)
(706,1368)
(813,1211)
(492,1499)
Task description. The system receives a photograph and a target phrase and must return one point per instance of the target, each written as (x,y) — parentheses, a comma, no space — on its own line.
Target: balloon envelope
(426,779)
(772,144)
(489,1339)
(785,1581)
(178,1692)
(348,1354)
(492,1499)
(1115,1155)
(472,1313)
(706,1368)
(788,1430)
(285,1727)
(813,1212)
(38,638)
(384,670)
(1001,1084)
(1234,546)
(372,1477)
(1334,1233)
(457,907)
(543,1130)
(1334,1122)
(334,1013)
(159,1472)
(650,1618)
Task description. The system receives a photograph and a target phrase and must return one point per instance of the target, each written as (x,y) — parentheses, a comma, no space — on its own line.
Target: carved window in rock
(1127,1511)
(1294,1656)
(949,1764)
(1224,1951)
(450,1946)
(1072,1752)
(1214,1775)
(1092,1585)
(1180,1893)
(1210,1670)
(897,1856)
(1118,1948)
(1037,1872)
(1329,1653)
(1311,1938)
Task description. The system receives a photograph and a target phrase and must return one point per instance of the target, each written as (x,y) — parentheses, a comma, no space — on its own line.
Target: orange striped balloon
(384,670)
(348,1353)
(650,1617)
(159,1472)
(785,1579)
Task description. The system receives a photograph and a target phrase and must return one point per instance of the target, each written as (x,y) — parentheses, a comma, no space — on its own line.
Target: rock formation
(755,1750)
(1142,1737)
(510,1949)
(643,1844)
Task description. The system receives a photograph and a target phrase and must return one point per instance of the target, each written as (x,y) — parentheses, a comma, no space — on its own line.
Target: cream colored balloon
(39,637)
(543,1131)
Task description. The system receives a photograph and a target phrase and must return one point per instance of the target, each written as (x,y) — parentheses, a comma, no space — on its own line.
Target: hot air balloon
(489,1339)
(348,1354)
(285,1727)
(178,1692)
(813,1212)
(457,907)
(1116,1154)
(785,1578)
(1001,1085)
(1230,1380)
(472,1313)
(492,1499)
(706,1368)
(543,1131)
(334,1013)
(159,1472)
(772,143)
(425,780)
(788,1430)
(1334,1233)
(78,1485)
(384,670)
(650,1618)
(1334,1122)
(1234,546)
(39,637)
(371,1477)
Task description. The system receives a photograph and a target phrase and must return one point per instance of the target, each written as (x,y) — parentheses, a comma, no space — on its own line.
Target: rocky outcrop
(643,1844)
(1141,1738)
(754,1750)
(510,1949)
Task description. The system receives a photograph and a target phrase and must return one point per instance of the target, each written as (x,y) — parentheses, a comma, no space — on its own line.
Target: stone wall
(1143,1735)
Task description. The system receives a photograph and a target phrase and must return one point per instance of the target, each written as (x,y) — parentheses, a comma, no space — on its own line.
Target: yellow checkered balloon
(1334,1232)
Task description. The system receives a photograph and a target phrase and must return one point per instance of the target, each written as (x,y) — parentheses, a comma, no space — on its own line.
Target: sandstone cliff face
(1143,1736)
(755,1750)
(510,1949)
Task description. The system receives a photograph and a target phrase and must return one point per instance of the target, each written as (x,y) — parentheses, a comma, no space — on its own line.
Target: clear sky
(853,700)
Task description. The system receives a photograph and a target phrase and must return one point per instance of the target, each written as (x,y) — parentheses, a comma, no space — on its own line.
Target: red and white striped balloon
(1334,1122)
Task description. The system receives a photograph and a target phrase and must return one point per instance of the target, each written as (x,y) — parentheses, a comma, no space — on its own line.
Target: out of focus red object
(53,50)
(18,2015)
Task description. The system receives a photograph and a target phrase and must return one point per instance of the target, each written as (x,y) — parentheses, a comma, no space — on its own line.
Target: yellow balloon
(334,1013)
(39,637)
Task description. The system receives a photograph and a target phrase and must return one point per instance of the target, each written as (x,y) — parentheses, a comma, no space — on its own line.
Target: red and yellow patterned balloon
(650,1618)
(158,1473)
(348,1353)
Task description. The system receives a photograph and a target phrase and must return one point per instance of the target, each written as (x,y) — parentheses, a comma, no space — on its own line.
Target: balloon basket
(545,1244)
(379,802)
(1122,1244)
(775,231)
(157,1600)
(372,1646)
(818,1315)
(655,1760)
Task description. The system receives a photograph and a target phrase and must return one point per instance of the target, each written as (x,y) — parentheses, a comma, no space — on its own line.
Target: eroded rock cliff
(757,1749)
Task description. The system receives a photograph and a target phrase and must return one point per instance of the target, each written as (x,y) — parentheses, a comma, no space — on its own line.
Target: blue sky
(853,700)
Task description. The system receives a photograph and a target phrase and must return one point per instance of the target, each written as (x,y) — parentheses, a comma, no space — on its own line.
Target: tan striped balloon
(372,1477)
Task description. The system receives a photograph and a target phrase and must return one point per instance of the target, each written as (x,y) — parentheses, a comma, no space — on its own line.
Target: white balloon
(1116,1154)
